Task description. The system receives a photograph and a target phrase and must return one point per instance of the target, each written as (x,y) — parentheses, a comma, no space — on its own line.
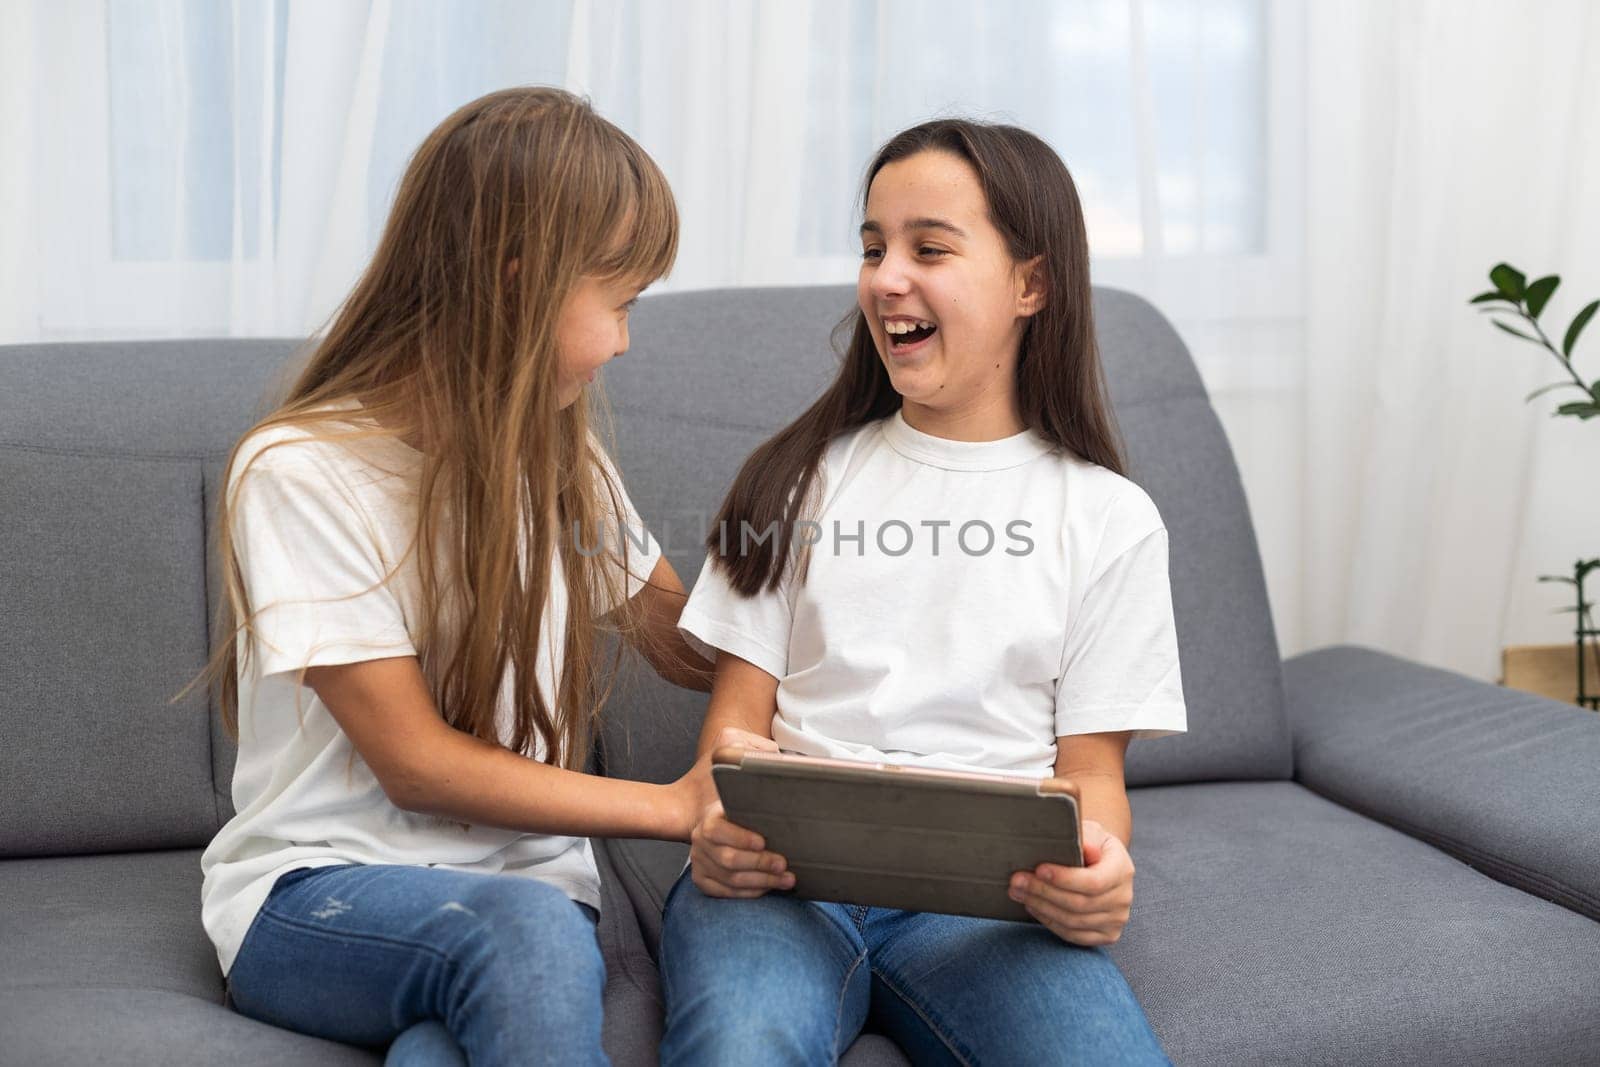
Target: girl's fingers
(1031,887)
(1064,898)
(759,880)
(719,831)
(1081,935)
(741,884)
(737,859)
(1060,919)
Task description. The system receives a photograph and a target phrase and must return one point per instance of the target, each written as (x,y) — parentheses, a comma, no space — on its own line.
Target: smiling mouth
(912,337)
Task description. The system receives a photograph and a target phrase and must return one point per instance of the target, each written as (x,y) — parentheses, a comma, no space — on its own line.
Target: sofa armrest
(1504,780)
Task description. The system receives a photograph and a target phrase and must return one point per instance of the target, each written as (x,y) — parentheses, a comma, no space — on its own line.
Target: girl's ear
(1033,286)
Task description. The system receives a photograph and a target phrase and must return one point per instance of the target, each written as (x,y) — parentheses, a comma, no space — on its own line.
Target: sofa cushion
(102,621)
(119,921)
(1271,925)
(106,961)
(1498,778)
(103,586)
(83,1024)
(1457,763)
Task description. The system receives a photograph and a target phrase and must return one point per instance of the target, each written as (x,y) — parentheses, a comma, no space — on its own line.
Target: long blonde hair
(442,343)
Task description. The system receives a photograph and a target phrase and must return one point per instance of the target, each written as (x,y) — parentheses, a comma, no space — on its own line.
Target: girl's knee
(524,925)
(427,1043)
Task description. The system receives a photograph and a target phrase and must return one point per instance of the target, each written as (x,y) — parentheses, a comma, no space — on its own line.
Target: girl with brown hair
(421,548)
(942,564)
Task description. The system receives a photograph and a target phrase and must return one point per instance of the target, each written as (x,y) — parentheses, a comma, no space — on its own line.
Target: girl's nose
(889,278)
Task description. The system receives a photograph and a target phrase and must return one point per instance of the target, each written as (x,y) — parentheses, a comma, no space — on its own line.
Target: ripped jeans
(441,966)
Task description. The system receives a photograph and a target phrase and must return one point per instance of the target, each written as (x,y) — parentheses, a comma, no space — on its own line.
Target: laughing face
(943,298)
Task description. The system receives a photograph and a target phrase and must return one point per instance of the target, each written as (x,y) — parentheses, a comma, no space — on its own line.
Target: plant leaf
(1584,409)
(1546,388)
(1557,578)
(1513,331)
(1508,280)
(1538,294)
(1492,294)
(1577,327)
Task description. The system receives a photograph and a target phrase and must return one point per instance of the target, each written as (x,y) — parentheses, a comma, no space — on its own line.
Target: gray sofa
(1348,857)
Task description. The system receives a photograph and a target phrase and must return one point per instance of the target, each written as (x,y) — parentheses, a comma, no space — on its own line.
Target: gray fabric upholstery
(119,921)
(98,554)
(1272,926)
(633,1012)
(47,1027)
(103,449)
(106,961)
(1504,780)
(648,870)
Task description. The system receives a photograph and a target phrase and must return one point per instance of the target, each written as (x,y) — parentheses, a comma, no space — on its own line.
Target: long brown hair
(444,344)
(1060,384)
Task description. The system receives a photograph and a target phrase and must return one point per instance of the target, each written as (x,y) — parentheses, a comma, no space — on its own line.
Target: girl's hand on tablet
(729,861)
(1086,905)
(695,791)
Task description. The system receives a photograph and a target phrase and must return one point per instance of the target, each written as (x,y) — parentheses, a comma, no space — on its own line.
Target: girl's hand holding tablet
(728,860)
(1086,905)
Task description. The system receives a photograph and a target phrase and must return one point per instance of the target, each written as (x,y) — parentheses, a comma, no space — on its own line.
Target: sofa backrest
(111,459)
(110,456)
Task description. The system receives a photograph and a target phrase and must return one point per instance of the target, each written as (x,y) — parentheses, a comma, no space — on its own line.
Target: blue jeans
(783,980)
(445,965)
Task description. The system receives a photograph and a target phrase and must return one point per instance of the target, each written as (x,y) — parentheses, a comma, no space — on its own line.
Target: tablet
(901,837)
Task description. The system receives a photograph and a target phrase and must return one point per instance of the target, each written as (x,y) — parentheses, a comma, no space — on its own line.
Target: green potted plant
(1522,302)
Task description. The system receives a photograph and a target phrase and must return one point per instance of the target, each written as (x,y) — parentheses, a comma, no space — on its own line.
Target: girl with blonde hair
(422,548)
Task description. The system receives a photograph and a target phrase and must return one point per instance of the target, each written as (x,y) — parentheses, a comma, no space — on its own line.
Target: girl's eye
(927,251)
(872,253)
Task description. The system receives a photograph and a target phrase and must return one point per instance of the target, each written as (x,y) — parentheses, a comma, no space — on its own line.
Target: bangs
(643,220)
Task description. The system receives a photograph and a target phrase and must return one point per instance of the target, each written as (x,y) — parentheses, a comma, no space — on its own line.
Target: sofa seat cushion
(106,961)
(127,920)
(1455,762)
(1271,925)
(65,1027)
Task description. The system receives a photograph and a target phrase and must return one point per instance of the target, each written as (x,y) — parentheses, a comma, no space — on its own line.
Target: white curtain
(1444,137)
(204,167)
(1309,191)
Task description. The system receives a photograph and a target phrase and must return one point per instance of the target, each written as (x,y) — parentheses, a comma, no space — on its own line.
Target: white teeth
(901,326)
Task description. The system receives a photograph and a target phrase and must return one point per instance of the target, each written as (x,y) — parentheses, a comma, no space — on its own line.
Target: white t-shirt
(315,522)
(966,603)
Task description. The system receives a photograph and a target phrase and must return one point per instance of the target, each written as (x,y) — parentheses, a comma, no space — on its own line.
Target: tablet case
(901,837)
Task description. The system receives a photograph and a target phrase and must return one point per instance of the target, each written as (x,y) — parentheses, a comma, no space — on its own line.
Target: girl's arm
(1088,905)
(728,860)
(744,698)
(1095,763)
(427,766)
(660,641)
